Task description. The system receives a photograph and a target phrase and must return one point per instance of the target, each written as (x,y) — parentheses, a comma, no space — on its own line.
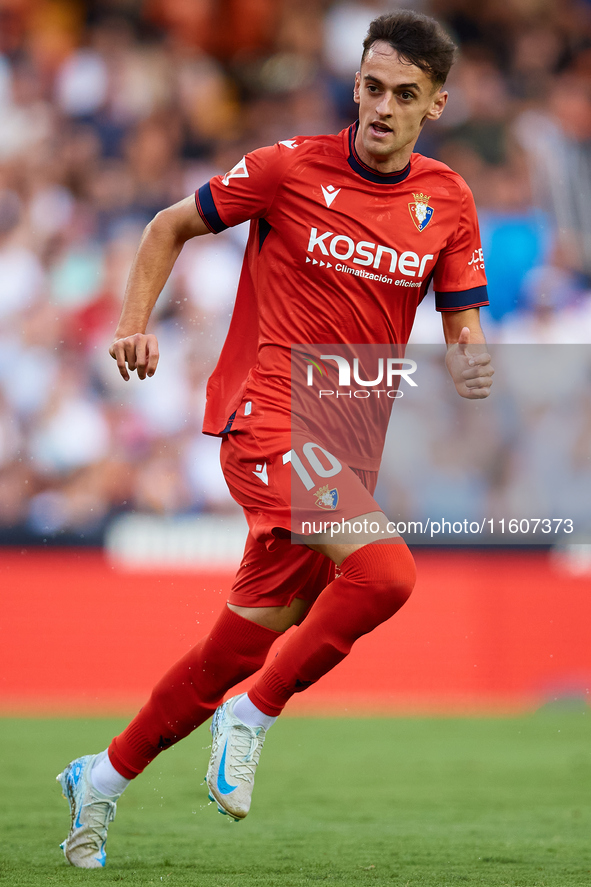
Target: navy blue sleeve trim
(462,299)
(207,209)
(228,427)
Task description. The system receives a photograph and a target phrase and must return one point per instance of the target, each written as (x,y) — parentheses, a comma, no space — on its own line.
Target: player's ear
(357,87)
(438,104)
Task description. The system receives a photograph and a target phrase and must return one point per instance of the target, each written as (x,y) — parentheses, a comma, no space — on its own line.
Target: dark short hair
(417,38)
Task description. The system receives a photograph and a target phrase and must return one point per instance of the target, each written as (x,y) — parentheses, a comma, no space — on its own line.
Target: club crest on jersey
(327,499)
(420,211)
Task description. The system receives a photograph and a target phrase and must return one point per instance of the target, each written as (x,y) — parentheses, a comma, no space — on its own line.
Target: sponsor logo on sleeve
(477,260)
(238,172)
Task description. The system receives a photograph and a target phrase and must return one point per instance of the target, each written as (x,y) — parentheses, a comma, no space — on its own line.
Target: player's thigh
(364,529)
(293,490)
(277,575)
(288,484)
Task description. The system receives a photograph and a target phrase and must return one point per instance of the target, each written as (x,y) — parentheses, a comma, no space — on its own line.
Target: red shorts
(273,578)
(282,482)
(288,484)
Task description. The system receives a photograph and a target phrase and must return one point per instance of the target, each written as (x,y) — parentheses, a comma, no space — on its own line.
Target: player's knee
(396,577)
(387,572)
(405,572)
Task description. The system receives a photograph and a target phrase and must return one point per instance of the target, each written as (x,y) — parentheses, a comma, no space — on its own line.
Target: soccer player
(347,232)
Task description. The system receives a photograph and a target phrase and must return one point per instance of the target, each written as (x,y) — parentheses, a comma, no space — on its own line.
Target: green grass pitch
(383,801)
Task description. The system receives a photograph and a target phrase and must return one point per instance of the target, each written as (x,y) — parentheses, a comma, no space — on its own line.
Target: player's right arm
(160,246)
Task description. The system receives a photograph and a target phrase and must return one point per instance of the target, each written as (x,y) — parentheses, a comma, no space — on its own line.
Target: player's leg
(238,728)
(375,581)
(186,696)
(237,646)
(190,691)
(376,578)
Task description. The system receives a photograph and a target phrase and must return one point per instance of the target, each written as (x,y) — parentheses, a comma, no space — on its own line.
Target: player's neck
(389,165)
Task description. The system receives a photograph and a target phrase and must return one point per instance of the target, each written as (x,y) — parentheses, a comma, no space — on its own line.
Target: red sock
(374,583)
(191,690)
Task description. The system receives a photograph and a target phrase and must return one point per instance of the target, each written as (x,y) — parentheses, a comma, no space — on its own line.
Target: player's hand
(470,367)
(138,352)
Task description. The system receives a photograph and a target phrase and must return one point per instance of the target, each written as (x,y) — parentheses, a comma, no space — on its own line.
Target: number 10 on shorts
(309,451)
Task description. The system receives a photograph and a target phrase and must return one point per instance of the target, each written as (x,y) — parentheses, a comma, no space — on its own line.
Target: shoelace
(246,747)
(100,812)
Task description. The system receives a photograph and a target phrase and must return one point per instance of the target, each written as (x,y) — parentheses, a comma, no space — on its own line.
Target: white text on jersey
(342,247)
(477,259)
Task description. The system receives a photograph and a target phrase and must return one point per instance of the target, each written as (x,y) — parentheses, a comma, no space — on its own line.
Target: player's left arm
(160,247)
(467,359)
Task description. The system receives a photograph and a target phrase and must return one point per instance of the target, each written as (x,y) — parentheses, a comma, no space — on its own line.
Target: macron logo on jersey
(330,193)
(238,172)
(289,143)
(261,473)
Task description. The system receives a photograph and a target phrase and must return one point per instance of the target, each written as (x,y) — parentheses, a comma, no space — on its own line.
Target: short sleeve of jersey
(459,278)
(244,193)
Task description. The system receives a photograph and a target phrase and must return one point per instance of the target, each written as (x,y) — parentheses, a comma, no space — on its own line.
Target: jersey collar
(372,175)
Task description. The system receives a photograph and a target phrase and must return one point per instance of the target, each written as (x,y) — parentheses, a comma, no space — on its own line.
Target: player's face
(395,99)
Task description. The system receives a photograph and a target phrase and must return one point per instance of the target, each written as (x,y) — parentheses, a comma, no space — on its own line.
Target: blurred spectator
(345,27)
(111,111)
(20,271)
(553,310)
(557,142)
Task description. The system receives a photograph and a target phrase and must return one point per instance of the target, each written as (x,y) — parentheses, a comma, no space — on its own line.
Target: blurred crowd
(112,109)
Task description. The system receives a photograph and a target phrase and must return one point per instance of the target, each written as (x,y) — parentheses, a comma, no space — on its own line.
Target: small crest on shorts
(326,498)
(420,211)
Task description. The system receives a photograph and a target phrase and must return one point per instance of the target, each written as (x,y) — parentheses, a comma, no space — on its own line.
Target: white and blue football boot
(235,753)
(90,812)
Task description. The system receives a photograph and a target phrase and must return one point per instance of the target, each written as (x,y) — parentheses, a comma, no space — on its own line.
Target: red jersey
(337,253)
